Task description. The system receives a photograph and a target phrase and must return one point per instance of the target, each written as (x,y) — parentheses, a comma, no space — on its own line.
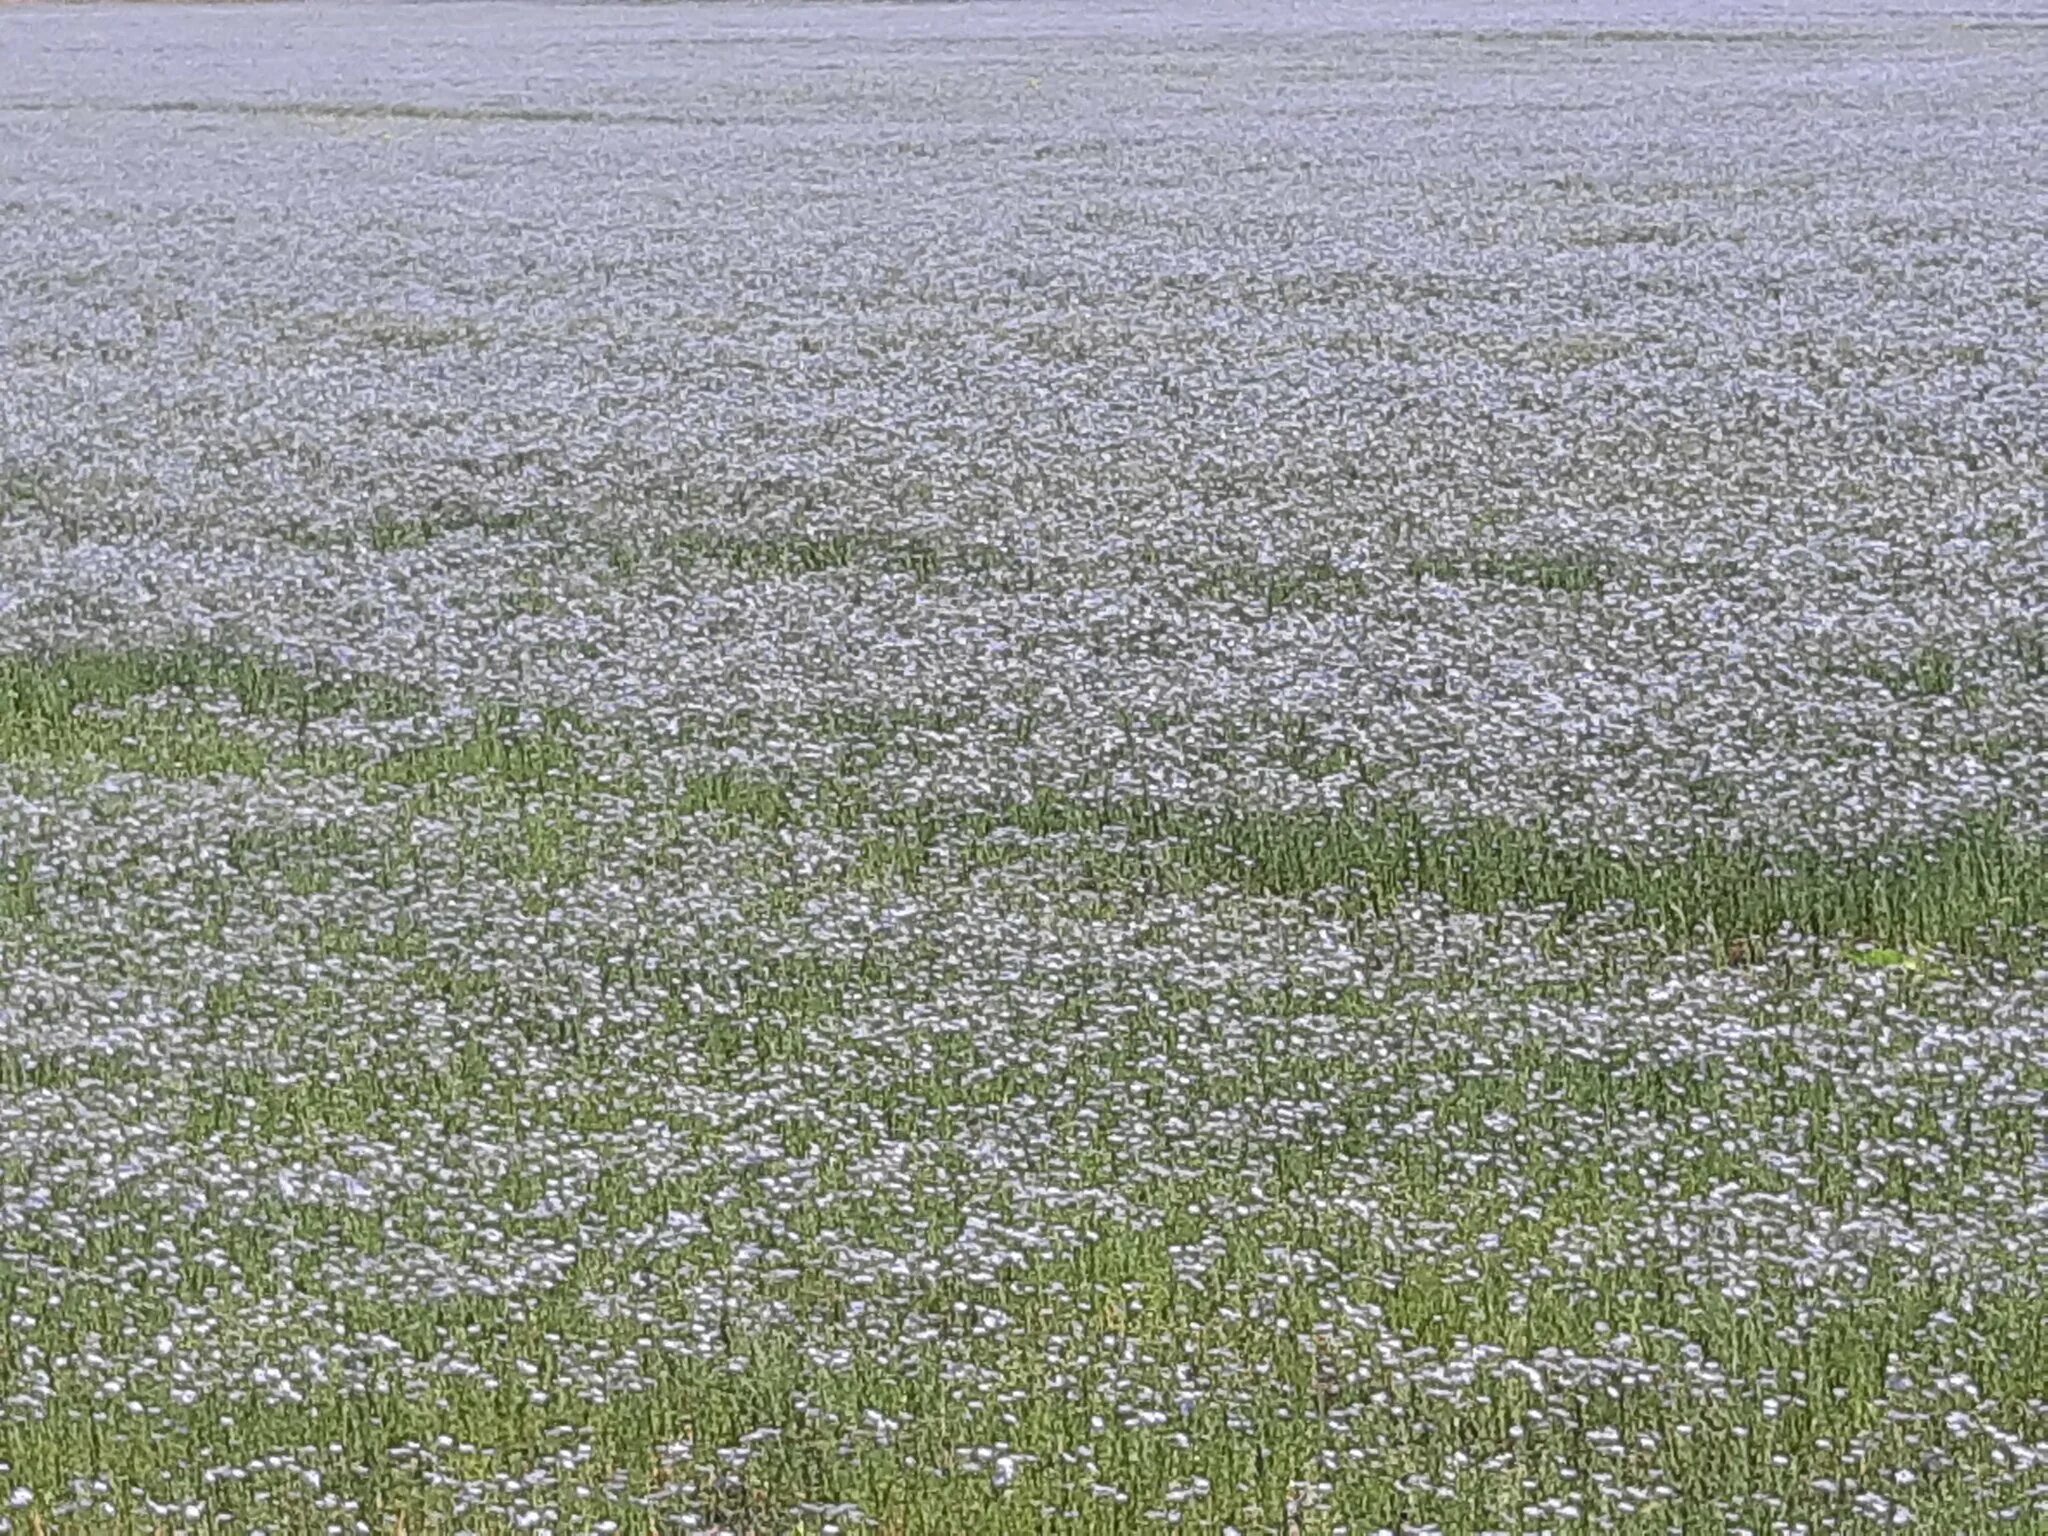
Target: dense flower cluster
(1003,768)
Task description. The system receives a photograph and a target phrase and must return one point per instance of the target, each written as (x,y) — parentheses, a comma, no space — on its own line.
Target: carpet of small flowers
(1275,769)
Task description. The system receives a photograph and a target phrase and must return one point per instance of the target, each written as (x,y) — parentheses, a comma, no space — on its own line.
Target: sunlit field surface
(1023,768)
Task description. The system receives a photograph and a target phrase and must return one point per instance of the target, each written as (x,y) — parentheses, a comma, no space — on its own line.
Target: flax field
(1016,767)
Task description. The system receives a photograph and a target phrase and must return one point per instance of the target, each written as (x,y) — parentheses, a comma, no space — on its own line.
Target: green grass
(1311,583)
(1319,584)
(27,490)
(40,695)
(1930,672)
(395,532)
(490,754)
(1255,1478)
(87,707)
(20,899)
(760,556)
(2030,651)
(1543,573)
(1967,889)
